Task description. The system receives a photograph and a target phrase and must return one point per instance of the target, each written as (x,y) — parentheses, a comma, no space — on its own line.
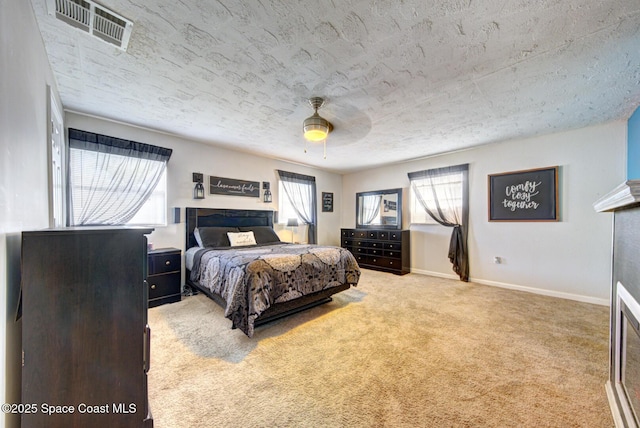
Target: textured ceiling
(403,79)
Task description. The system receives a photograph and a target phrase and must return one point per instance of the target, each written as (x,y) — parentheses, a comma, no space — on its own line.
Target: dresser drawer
(164,262)
(395,236)
(392,253)
(386,262)
(164,285)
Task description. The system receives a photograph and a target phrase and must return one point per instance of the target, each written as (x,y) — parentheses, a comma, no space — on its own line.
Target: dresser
(380,249)
(85,338)
(165,276)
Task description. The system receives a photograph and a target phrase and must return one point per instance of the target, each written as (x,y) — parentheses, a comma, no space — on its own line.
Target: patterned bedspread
(270,274)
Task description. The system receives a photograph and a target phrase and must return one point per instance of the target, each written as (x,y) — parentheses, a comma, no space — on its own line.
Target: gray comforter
(251,279)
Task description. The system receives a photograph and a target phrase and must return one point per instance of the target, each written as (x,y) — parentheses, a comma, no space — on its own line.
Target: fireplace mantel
(625,195)
(624,202)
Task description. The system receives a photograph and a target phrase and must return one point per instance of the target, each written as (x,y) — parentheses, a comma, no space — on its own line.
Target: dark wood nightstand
(164,276)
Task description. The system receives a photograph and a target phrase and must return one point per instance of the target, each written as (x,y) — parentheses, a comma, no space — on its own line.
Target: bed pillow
(241,238)
(263,234)
(213,236)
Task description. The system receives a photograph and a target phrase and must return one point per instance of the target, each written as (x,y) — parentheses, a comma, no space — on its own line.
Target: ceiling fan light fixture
(316,128)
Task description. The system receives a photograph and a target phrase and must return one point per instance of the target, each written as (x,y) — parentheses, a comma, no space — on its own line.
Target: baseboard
(615,411)
(551,293)
(430,273)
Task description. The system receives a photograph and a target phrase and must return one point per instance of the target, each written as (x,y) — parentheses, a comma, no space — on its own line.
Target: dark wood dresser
(380,249)
(85,337)
(165,276)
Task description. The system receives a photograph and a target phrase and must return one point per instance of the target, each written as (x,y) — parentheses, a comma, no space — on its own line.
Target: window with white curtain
(154,211)
(116,182)
(285,207)
(297,199)
(447,187)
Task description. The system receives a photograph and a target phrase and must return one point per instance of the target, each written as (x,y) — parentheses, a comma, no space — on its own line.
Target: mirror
(379,209)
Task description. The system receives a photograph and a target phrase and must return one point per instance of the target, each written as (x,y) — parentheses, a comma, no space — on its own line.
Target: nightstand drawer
(164,285)
(164,262)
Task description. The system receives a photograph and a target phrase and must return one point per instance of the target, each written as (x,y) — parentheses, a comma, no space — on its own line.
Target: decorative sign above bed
(232,187)
(529,195)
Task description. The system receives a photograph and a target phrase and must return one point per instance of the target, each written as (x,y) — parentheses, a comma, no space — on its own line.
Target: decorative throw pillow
(241,238)
(263,234)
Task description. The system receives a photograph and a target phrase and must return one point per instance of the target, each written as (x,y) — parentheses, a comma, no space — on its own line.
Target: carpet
(396,351)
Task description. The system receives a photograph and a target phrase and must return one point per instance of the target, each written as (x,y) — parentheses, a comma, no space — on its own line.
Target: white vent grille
(93,19)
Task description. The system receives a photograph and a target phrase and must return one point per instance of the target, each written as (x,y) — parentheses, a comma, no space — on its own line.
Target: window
(297,199)
(154,210)
(116,182)
(285,207)
(439,190)
(443,195)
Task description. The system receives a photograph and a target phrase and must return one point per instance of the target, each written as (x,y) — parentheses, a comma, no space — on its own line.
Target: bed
(235,258)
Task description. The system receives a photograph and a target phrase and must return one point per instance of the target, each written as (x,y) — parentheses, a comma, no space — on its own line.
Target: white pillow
(196,234)
(241,238)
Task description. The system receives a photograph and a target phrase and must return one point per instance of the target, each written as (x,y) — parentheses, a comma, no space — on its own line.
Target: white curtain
(369,208)
(301,191)
(109,178)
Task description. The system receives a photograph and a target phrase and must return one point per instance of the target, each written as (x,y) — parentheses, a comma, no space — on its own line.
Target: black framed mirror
(379,209)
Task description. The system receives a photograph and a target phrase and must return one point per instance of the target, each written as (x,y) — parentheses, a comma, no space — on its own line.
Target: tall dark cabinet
(85,336)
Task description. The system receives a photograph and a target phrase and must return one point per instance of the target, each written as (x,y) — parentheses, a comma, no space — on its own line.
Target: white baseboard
(615,412)
(551,293)
(430,273)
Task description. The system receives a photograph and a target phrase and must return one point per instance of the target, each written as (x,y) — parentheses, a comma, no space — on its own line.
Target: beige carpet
(410,351)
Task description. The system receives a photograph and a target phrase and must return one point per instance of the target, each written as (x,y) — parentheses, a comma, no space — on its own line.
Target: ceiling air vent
(93,19)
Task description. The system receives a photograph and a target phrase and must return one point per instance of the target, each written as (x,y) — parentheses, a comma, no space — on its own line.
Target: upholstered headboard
(207,217)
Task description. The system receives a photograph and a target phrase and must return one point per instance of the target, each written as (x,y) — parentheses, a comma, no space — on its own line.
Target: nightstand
(164,276)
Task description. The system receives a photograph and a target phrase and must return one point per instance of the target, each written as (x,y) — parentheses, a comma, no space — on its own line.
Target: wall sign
(327,202)
(232,187)
(529,195)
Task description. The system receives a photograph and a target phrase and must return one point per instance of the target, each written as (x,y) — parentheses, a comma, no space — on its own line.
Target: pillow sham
(263,234)
(241,238)
(215,236)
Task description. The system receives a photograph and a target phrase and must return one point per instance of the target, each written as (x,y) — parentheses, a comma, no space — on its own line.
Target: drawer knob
(153,286)
(167,262)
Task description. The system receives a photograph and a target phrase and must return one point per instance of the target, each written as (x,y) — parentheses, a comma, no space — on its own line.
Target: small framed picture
(327,202)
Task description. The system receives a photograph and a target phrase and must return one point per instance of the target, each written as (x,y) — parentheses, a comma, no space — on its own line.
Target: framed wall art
(528,195)
(233,187)
(327,202)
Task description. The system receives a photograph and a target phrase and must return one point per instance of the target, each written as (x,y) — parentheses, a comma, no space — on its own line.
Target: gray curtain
(110,178)
(301,191)
(439,201)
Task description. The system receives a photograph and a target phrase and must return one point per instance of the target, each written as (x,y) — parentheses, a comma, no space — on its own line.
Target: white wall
(23,171)
(190,156)
(570,258)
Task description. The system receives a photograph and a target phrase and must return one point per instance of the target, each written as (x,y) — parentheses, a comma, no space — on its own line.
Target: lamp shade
(292,222)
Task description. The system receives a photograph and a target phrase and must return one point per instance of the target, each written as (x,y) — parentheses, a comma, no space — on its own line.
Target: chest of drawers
(380,249)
